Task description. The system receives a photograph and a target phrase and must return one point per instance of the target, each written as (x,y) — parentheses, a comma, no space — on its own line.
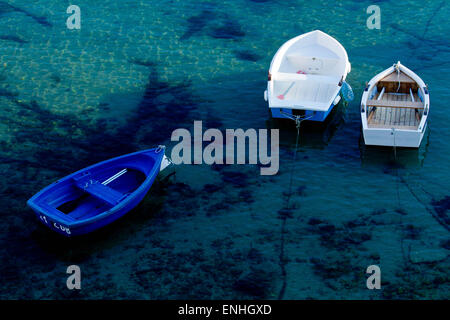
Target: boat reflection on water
(313,135)
(405,158)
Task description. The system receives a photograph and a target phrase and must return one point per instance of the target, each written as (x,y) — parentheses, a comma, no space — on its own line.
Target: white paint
(383,136)
(315,63)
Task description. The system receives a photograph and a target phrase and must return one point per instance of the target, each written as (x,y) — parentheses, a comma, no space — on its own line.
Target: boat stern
(49,220)
(310,115)
(393,138)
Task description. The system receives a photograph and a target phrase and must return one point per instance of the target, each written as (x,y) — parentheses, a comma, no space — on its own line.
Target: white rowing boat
(394,108)
(306,76)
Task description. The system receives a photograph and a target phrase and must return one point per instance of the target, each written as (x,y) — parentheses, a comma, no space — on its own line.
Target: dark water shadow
(313,135)
(388,159)
(70,143)
(7,8)
(80,248)
(213,22)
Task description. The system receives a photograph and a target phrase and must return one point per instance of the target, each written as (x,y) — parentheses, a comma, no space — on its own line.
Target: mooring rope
(397,180)
(433,213)
(298,120)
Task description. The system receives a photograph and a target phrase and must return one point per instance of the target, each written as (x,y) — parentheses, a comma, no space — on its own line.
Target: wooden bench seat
(395,104)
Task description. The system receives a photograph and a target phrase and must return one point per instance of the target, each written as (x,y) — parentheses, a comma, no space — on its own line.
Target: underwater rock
(411,232)
(247,56)
(327,229)
(230,29)
(314,221)
(13,38)
(285,213)
(56,78)
(255,256)
(197,23)
(181,188)
(216,208)
(140,62)
(246,196)
(256,283)
(211,188)
(301,191)
(212,122)
(441,207)
(422,254)
(379,211)
(401,211)
(332,267)
(445,244)
(8,94)
(6,7)
(356,223)
(339,238)
(358,237)
(237,178)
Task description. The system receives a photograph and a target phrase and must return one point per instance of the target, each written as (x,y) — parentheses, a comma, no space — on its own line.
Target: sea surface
(137,70)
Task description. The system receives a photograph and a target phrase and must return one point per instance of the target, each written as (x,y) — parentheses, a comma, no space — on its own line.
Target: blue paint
(319,116)
(83,201)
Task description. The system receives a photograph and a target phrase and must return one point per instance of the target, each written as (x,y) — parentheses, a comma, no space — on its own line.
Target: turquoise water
(139,69)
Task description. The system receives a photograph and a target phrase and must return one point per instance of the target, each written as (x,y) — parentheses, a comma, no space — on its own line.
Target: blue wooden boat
(97,195)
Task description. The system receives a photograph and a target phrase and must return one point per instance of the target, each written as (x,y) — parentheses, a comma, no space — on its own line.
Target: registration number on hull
(55,225)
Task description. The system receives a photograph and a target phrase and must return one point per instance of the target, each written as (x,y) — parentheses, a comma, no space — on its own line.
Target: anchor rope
(282,263)
(401,179)
(397,180)
(426,206)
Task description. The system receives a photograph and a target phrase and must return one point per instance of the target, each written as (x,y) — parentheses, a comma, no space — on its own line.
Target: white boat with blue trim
(306,77)
(395,107)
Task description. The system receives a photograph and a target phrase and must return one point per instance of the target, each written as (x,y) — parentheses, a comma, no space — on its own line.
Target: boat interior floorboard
(395,117)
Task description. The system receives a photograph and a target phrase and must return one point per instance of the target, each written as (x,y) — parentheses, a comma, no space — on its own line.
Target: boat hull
(306,76)
(403,122)
(388,138)
(78,204)
(320,116)
(72,231)
(309,115)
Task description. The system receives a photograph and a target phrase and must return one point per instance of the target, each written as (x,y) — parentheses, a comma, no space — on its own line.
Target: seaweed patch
(6,7)
(142,62)
(228,29)
(246,55)
(8,94)
(13,39)
(442,207)
(197,23)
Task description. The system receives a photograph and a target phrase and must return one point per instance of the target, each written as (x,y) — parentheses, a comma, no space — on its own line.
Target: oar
(281,96)
(114,177)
